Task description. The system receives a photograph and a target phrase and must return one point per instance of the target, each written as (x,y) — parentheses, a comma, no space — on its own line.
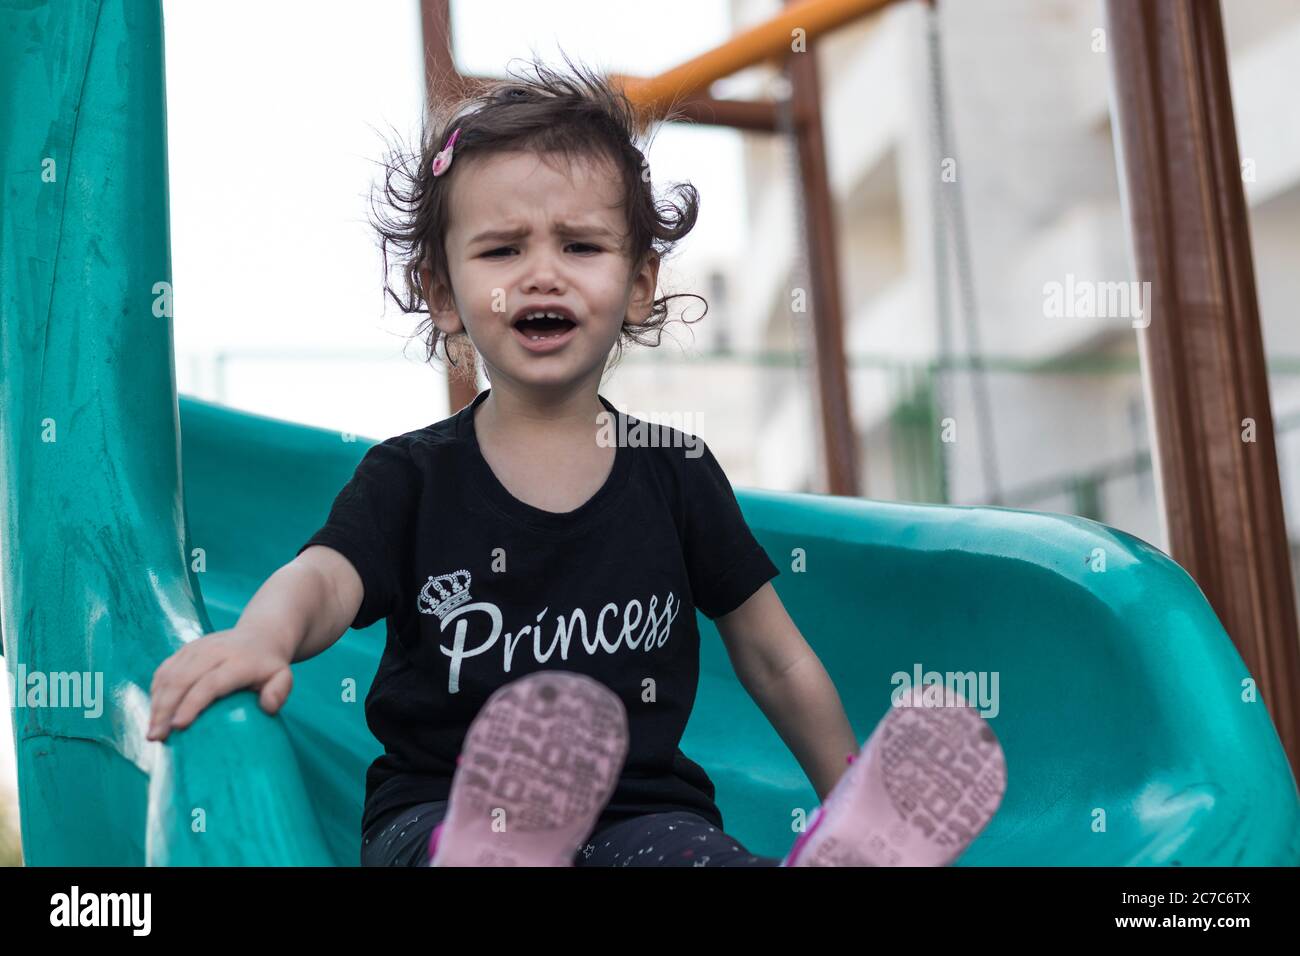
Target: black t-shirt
(480,588)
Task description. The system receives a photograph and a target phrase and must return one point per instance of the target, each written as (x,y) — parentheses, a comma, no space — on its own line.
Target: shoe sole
(919,793)
(538,765)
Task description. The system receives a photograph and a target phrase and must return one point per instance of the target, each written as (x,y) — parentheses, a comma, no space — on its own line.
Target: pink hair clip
(443,159)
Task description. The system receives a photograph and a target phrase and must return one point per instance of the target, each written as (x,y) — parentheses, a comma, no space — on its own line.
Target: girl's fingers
(165,672)
(276,690)
(183,667)
(215,683)
(175,677)
(171,682)
(165,698)
(198,674)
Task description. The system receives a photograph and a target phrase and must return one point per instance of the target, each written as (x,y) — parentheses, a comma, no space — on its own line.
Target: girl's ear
(441,303)
(640,304)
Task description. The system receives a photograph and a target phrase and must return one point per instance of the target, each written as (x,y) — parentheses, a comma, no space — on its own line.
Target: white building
(1034,162)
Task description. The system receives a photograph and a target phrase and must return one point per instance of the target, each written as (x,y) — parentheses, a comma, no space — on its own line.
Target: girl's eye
(492,253)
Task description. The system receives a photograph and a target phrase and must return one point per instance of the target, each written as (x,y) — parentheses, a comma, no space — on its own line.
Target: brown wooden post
(1203,351)
(839,439)
(442,78)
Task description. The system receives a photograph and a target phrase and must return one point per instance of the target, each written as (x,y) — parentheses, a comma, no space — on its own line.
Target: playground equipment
(133,522)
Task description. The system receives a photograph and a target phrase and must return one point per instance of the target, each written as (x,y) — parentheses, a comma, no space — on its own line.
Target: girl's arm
(321,619)
(299,611)
(786,679)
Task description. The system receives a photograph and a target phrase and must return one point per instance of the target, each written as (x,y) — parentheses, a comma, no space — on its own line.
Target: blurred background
(277,119)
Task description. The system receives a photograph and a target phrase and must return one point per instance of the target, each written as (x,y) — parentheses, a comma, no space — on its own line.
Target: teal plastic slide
(134,522)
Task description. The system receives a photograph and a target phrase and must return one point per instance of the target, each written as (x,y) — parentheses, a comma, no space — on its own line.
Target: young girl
(540,577)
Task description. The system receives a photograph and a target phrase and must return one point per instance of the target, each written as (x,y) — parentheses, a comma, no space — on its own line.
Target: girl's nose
(542,281)
(542,275)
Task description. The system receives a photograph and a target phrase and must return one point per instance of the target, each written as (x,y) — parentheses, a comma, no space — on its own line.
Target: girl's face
(528,232)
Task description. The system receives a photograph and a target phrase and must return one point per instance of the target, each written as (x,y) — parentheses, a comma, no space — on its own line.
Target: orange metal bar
(766,41)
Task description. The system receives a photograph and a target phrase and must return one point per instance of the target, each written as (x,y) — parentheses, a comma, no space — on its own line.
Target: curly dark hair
(581,114)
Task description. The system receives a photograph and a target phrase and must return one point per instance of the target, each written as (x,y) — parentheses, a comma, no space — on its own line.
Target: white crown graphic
(452,591)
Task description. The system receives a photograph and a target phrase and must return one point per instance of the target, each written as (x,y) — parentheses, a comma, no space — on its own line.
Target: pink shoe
(539,761)
(926,783)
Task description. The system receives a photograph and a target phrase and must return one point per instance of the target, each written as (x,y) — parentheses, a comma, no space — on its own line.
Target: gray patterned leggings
(677,838)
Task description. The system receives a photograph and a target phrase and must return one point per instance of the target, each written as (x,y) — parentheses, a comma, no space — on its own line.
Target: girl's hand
(213,666)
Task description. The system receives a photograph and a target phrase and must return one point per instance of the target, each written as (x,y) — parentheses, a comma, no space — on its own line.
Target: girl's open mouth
(544,334)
